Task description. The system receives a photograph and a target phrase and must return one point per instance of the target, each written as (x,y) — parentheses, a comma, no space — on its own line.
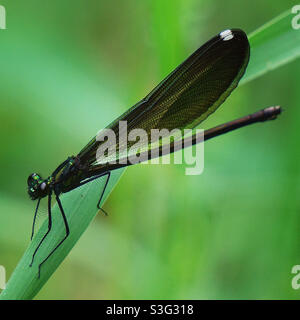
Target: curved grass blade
(274,44)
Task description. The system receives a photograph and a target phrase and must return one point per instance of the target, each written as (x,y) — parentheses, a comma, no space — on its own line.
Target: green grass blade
(80,207)
(272,45)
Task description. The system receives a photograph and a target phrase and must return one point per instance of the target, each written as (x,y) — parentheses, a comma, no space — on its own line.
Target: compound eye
(33,179)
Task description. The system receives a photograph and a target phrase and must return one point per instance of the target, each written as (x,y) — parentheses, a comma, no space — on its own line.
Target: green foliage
(273,45)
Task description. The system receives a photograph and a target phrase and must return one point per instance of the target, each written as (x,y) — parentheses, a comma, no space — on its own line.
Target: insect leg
(34,218)
(65,237)
(102,194)
(49,228)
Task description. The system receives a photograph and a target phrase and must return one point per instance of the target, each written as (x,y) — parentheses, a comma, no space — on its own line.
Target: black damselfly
(185,98)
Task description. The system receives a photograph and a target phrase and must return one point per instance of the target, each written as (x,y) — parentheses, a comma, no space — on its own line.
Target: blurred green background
(68,68)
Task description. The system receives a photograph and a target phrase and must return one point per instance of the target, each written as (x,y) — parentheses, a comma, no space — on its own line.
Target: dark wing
(193,91)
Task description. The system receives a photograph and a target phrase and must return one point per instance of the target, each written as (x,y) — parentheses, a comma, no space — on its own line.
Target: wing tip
(230,34)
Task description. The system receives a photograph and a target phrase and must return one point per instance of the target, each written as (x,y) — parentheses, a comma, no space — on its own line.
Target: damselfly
(185,98)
